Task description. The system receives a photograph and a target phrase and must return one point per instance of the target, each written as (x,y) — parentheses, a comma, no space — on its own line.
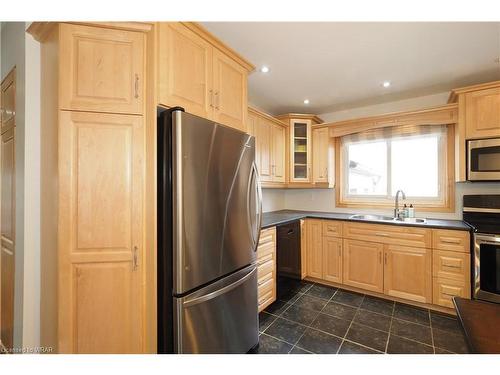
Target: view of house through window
(378,168)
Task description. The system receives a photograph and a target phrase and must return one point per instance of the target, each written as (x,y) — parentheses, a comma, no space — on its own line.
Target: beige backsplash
(324,200)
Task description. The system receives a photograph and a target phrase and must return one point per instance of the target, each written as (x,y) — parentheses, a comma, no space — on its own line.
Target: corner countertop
(273,218)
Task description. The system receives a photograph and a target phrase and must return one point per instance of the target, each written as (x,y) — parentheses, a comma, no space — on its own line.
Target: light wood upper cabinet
(263,149)
(278,152)
(320,146)
(332,259)
(407,273)
(363,267)
(482,113)
(314,248)
(101,233)
(200,74)
(300,151)
(230,91)
(185,70)
(270,149)
(103,69)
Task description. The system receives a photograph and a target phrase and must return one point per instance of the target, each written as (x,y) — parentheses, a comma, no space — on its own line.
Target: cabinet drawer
(266,294)
(267,235)
(451,240)
(389,234)
(445,289)
(265,252)
(265,271)
(267,244)
(265,300)
(451,265)
(332,228)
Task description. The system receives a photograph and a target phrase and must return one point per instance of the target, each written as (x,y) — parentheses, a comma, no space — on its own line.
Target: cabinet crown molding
(462,90)
(40,30)
(302,116)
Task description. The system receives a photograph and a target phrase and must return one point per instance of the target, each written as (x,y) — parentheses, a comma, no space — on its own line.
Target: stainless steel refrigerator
(209,217)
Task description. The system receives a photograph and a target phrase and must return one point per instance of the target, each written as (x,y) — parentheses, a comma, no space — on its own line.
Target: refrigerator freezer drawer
(219,318)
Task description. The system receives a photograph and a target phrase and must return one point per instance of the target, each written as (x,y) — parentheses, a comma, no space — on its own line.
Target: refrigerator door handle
(206,297)
(254,188)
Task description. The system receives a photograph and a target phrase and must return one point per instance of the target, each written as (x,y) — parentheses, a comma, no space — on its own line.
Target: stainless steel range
(482,212)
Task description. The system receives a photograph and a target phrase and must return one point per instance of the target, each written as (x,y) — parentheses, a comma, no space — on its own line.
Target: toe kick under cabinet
(422,265)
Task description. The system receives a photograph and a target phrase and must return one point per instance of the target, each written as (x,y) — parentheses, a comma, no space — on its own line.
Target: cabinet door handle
(211,92)
(217,99)
(136,86)
(135,261)
(385,259)
(451,240)
(382,234)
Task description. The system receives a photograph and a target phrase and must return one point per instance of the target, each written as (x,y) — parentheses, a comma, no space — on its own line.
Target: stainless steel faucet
(396,203)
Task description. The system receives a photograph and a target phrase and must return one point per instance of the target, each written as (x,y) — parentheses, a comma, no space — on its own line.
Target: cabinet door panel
(230,91)
(263,149)
(185,70)
(105,317)
(8,101)
(278,153)
(332,259)
(482,113)
(363,267)
(320,154)
(300,151)
(314,249)
(408,273)
(7,241)
(101,233)
(104,69)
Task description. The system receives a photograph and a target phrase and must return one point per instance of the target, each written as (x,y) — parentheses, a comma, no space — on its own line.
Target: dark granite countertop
(273,218)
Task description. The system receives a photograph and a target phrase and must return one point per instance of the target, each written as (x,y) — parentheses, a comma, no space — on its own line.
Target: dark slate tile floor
(313,318)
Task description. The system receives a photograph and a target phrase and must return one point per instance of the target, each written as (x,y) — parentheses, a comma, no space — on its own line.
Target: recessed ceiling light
(386,84)
(306,101)
(264,69)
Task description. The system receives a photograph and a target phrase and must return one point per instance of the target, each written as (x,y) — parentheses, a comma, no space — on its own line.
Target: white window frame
(441,202)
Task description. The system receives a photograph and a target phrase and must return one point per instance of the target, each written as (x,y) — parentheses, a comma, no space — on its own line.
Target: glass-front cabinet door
(300,147)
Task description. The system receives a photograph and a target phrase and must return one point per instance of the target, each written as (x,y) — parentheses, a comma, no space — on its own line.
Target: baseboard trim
(384,296)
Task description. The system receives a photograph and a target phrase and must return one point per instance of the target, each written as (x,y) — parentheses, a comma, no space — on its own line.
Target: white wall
(20,50)
(324,199)
(31,304)
(273,199)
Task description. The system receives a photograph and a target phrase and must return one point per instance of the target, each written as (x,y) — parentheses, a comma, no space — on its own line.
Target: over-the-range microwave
(483,160)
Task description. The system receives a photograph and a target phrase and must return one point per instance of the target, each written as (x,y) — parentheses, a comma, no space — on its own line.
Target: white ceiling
(342,65)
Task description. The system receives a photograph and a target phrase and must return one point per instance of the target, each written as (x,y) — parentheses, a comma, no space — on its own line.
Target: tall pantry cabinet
(93,186)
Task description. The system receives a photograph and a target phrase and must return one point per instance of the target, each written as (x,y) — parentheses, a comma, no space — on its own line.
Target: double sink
(383,218)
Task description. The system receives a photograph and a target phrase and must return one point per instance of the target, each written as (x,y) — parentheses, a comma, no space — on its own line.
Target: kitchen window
(374,165)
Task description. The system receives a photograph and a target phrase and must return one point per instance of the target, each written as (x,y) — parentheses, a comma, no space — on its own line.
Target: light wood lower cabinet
(314,248)
(445,289)
(266,268)
(417,273)
(332,259)
(363,266)
(407,273)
